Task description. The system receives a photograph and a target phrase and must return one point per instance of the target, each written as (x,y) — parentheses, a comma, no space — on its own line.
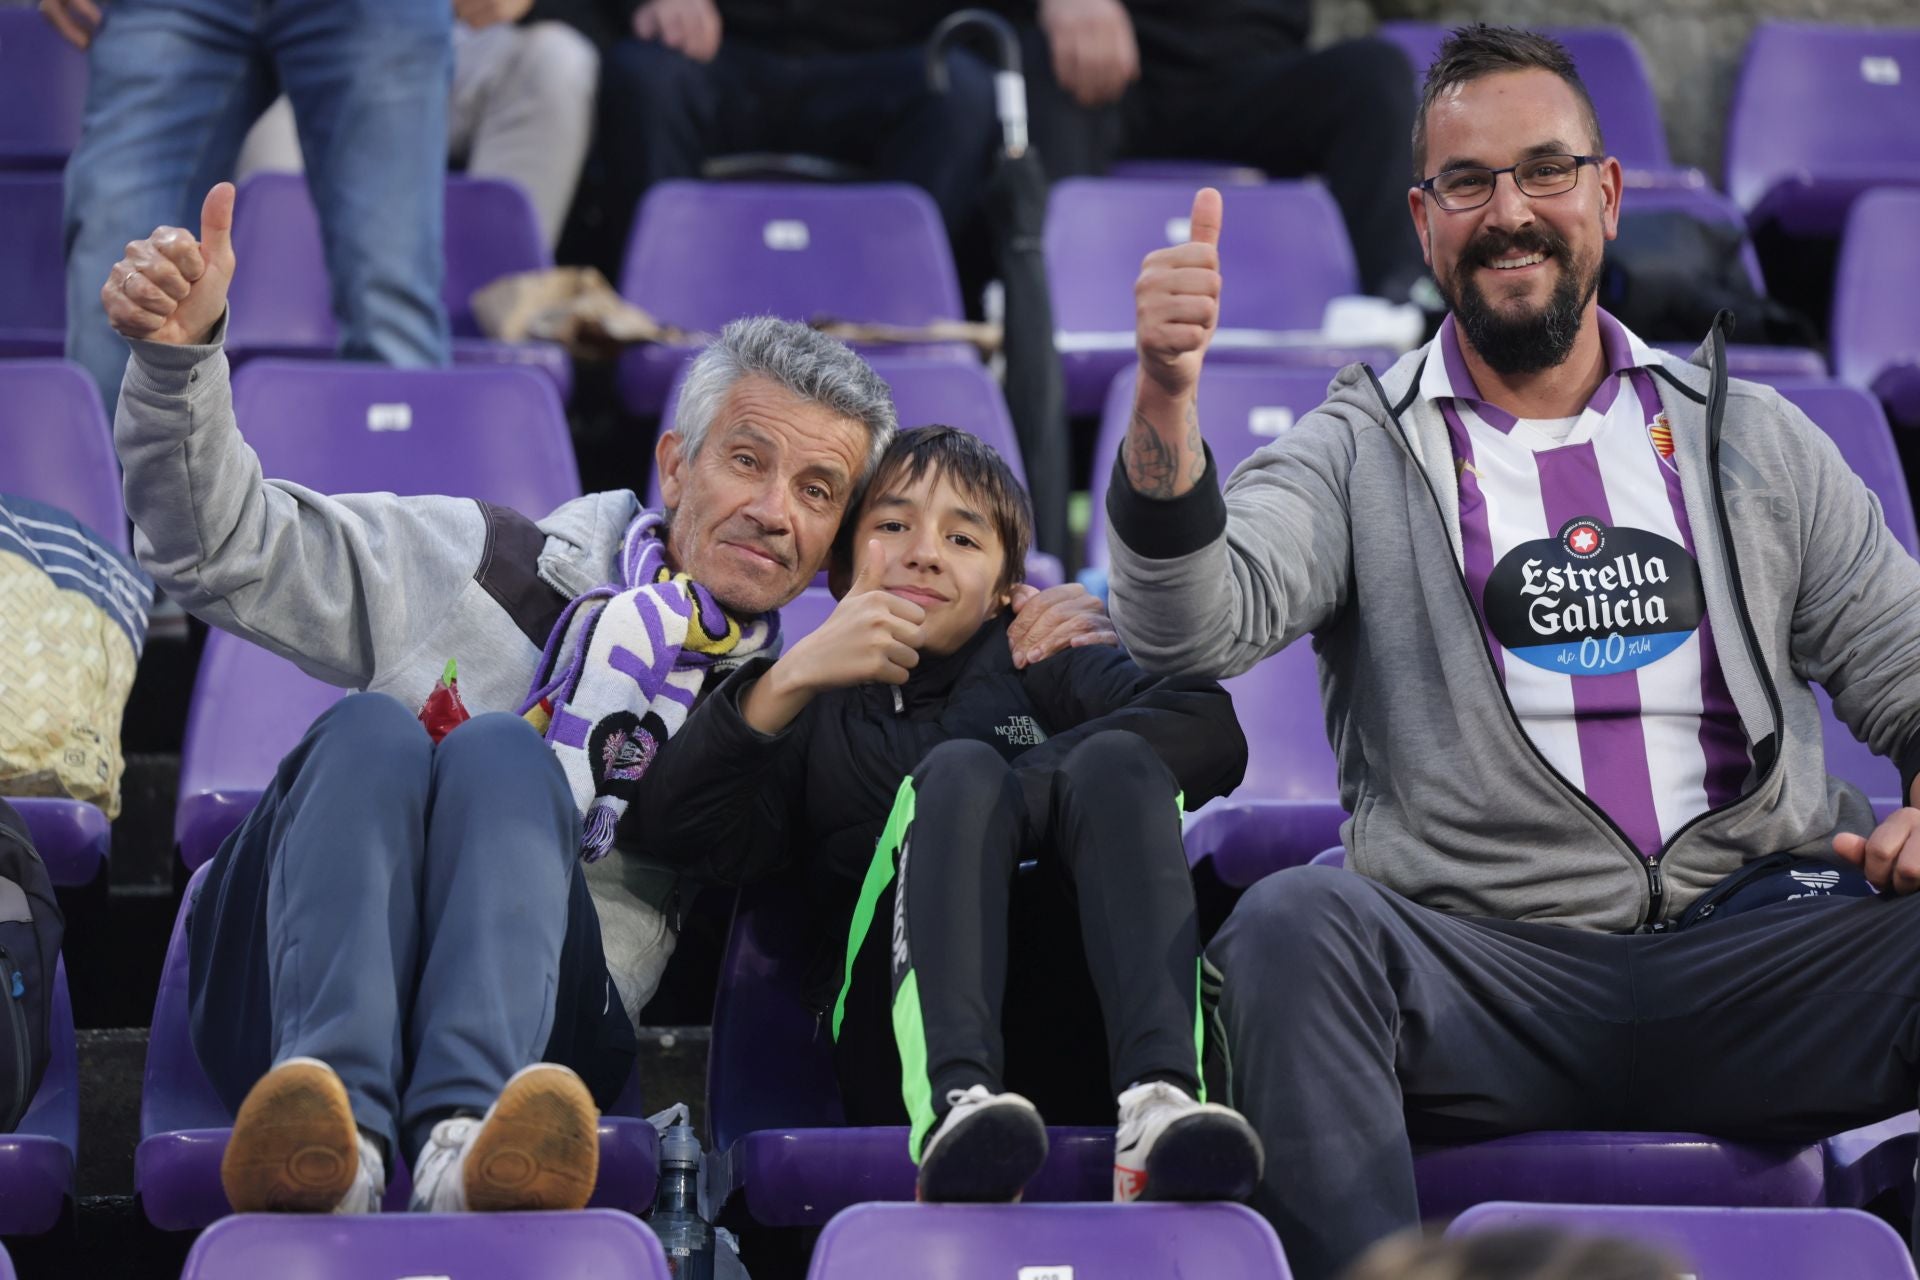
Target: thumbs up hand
(1177,301)
(171,287)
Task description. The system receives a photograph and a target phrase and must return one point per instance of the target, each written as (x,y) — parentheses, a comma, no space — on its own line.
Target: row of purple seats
(1782,1244)
(43,92)
(926,390)
(1284,248)
(1876,300)
(56,447)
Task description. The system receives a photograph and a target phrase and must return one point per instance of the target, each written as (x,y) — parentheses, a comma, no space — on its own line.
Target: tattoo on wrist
(1153,465)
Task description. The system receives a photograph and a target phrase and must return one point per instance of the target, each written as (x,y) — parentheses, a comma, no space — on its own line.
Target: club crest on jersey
(1660,432)
(1594,599)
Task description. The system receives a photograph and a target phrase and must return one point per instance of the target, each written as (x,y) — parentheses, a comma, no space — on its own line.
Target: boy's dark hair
(1468,53)
(973,467)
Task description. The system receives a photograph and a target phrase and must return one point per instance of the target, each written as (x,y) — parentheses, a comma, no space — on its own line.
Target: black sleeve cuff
(1908,759)
(1166,528)
(734,733)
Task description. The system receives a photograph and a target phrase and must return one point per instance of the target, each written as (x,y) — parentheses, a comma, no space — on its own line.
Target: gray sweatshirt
(369,590)
(1346,528)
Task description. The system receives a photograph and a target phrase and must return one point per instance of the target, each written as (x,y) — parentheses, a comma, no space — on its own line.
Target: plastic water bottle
(684,1234)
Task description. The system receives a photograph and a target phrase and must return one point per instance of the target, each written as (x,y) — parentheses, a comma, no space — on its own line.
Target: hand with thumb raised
(1177,301)
(172,287)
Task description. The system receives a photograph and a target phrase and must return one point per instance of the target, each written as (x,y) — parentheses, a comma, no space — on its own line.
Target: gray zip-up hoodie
(368,590)
(1347,528)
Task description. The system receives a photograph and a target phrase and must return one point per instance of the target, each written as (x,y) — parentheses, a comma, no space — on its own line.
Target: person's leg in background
(502,847)
(369,81)
(172,87)
(1344,112)
(523,99)
(1073,141)
(304,942)
(657,119)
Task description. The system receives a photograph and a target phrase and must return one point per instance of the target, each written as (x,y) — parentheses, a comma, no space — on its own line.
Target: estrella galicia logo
(1594,599)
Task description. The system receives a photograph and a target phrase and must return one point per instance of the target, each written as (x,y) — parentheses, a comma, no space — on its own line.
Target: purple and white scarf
(606,699)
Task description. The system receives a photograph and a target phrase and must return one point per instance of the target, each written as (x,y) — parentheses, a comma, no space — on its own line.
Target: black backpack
(30,929)
(1669,274)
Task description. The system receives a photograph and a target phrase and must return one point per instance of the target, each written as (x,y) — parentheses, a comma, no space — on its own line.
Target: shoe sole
(294,1148)
(1208,1156)
(539,1148)
(987,1159)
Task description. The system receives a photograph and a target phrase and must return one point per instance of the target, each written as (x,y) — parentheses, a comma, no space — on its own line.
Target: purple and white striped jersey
(1577,548)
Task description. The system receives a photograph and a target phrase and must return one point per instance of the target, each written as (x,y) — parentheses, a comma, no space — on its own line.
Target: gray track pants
(1357,1022)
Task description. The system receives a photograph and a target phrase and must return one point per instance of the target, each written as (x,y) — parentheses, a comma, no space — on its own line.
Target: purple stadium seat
(926,390)
(934,1242)
(1284,248)
(33,306)
(37,1159)
(494,434)
(781,1139)
(1854,422)
(56,447)
(1615,74)
(43,92)
(1725,1244)
(1876,300)
(283,306)
(1820,114)
(184,1126)
(704,253)
(1758,363)
(593,1245)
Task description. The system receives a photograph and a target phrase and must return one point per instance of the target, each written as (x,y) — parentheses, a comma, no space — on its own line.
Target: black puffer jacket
(728,804)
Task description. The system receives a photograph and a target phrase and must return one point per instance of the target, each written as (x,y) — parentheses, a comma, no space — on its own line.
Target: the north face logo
(1021,731)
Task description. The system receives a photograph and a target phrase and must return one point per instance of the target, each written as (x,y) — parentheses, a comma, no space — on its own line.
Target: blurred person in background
(173,87)
(522,105)
(1520,1253)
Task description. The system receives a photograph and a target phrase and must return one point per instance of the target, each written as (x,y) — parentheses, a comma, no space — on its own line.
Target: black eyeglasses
(1471,187)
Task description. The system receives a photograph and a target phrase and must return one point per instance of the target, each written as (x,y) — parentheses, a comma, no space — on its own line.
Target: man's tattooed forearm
(1153,466)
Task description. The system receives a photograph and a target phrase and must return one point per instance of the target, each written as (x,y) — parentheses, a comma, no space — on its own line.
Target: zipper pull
(1657,895)
(899,703)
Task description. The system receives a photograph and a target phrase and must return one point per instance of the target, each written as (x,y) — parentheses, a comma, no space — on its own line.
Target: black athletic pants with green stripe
(979,972)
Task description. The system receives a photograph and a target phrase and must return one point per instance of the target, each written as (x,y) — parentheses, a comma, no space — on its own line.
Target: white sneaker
(986,1150)
(295,1148)
(1171,1147)
(538,1147)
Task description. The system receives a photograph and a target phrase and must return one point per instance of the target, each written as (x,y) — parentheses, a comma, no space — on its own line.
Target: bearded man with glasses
(1567,593)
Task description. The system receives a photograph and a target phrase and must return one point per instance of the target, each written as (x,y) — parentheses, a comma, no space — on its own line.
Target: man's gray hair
(815,368)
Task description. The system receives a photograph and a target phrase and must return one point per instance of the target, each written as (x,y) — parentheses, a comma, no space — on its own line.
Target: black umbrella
(1016,204)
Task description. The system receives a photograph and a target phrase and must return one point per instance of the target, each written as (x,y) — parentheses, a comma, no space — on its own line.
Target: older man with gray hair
(423,941)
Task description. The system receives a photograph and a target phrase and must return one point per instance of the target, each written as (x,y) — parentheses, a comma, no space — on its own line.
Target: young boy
(1080,760)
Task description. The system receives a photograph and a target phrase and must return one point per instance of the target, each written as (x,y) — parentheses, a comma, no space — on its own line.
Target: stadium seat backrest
(1876,290)
(1242,409)
(280,292)
(1782,1244)
(56,446)
(1610,65)
(1283,248)
(43,91)
(958,393)
(1218,1241)
(702,254)
(496,434)
(1855,423)
(175,1093)
(585,1245)
(1824,105)
(32,254)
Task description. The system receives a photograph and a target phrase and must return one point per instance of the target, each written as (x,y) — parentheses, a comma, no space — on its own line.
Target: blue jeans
(412,915)
(173,87)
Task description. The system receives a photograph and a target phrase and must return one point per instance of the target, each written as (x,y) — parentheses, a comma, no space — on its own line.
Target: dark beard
(1526,343)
